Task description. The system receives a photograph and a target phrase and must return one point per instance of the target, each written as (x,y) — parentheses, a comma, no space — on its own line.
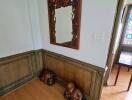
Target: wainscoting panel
(87,77)
(16,70)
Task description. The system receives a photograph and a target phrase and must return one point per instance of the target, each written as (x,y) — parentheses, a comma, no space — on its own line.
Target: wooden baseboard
(15,85)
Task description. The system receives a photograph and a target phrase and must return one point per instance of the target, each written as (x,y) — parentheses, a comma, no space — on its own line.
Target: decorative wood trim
(94,67)
(31,64)
(111,57)
(88,77)
(39,61)
(69,69)
(10,87)
(76,21)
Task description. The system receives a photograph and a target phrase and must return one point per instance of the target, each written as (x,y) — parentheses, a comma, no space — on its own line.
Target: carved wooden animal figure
(48,77)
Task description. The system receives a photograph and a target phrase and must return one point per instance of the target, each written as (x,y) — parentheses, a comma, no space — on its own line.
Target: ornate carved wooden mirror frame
(76,20)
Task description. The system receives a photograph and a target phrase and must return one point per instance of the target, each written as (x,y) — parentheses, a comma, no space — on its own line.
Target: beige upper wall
(96,28)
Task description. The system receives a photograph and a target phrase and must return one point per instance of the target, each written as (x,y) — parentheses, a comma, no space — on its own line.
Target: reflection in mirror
(63,24)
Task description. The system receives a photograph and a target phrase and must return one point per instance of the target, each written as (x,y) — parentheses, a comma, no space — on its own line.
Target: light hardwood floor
(118,92)
(36,90)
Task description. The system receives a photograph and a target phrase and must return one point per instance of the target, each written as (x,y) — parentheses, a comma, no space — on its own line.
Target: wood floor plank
(118,92)
(36,90)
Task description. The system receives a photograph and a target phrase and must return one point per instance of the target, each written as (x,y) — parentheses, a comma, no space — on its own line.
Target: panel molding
(89,78)
(69,69)
(10,67)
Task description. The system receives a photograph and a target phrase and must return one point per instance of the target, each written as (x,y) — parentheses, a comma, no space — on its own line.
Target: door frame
(111,57)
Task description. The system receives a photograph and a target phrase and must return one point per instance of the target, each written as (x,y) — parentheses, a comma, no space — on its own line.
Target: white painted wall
(96,29)
(19,27)
(35,26)
(128,1)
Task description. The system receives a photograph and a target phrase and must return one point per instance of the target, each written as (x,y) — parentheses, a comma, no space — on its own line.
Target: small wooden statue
(72,93)
(48,77)
(70,87)
(77,95)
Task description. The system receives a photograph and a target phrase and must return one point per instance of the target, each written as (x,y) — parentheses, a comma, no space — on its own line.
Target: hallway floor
(36,90)
(118,92)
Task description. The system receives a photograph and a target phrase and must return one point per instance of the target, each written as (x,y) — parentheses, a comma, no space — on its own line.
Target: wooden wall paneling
(18,69)
(88,77)
(38,61)
(98,85)
(15,71)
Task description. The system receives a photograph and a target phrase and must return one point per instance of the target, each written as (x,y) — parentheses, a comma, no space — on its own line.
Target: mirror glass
(63,24)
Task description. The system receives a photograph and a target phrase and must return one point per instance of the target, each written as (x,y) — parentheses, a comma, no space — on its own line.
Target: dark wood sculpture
(70,87)
(76,19)
(48,77)
(77,95)
(72,93)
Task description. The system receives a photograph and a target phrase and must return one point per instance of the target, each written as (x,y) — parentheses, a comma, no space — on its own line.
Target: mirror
(64,22)
(63,32)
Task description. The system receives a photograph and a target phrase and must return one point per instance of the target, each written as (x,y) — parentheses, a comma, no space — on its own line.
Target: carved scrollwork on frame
(76,19)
